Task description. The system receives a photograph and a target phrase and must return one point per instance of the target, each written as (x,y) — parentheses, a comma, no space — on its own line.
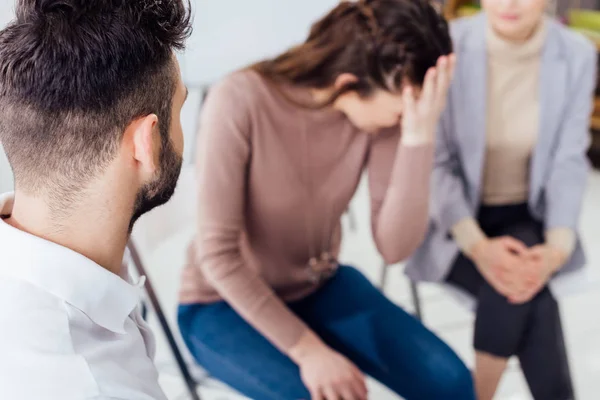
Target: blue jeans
(351,316)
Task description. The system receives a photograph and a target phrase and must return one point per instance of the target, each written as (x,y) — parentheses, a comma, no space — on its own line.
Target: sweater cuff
(563,239)
(467,233)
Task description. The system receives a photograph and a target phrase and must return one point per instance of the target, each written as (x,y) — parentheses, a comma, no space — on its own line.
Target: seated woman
(508,181)
(283,144)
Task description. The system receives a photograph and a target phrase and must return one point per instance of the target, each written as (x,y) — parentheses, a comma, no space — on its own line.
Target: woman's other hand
(420,116)
(503,263)
(327,374)
(543,262)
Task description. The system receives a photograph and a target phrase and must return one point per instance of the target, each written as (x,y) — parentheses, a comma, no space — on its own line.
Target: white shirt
(69,329)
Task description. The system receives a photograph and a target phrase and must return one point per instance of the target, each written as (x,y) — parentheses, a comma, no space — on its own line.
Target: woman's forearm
(402,220)
(563,240)
(467,233)
(255,301)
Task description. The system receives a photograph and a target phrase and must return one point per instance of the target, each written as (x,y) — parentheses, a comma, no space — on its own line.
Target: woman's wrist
(414,138)
(556,258)
(467,234)
(477,250)
(560,242)
(309,343)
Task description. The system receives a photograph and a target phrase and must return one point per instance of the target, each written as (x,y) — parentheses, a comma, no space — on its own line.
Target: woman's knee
(453,380)
(441,374)
(544,305)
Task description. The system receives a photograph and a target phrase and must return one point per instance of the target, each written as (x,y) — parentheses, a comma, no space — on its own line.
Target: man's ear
(344,80)
(142,135)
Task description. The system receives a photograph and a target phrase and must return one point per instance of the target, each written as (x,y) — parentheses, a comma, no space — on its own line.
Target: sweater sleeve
(223,155)
(399,177)
(563,239)
(467,233)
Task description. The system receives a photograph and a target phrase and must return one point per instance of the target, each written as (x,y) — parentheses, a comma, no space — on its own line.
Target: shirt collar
(104,297)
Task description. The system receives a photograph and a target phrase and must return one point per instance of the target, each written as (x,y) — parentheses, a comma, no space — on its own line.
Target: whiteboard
(230,34)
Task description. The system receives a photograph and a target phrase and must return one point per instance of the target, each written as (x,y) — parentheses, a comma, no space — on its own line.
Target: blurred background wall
(230,34)
(6,181)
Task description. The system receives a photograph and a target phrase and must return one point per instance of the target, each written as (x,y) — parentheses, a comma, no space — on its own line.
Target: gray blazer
(559,168)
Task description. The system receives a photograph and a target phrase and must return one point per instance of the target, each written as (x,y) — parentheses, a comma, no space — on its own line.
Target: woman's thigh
(236,354)
(384,341)
(500,326)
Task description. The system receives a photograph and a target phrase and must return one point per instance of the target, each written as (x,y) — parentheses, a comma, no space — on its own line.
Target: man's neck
(97,231)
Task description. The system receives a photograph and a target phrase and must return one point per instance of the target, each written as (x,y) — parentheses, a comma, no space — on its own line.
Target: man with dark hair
(90,102)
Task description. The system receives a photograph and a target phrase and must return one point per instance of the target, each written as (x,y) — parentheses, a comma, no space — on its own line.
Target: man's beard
(161,189)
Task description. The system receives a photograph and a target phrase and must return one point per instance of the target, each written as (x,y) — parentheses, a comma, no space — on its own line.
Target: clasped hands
(514,270)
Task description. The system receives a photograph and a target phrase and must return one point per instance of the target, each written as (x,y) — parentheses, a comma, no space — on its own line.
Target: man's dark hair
(73,75)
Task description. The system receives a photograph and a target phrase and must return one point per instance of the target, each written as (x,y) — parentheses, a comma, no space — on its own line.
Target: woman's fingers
(512,283)
(525,296)
(503,280)
(352,390)
(347,393)
(360,377)
(445,72)
(315,394)
(428,93)
(329,393)
(435,85)
(359,384)
(514,245)
(502,286)
(408,98)
(443,80)
(360,391)
(452,65)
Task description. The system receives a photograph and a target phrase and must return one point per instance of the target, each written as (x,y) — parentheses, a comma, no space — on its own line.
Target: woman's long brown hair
(381,42)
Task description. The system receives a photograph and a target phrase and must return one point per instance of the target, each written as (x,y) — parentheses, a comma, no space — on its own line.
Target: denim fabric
(351,316)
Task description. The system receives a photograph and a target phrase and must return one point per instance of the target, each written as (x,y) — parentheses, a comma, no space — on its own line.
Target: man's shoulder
(32,320)
(26,304)
(44,336)
(35,341)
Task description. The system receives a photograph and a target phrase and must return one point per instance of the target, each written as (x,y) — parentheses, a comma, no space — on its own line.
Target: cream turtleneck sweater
(513,114)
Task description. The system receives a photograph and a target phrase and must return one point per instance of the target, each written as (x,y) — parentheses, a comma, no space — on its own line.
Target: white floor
(442,313)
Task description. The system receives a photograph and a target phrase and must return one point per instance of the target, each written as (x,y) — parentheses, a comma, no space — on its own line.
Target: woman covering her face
(508,181)
(266,307)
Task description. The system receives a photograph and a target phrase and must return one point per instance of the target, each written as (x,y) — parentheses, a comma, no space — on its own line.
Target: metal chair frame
(191,383)
(414,291)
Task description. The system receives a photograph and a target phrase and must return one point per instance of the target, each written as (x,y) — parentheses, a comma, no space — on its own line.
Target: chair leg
(351,218)
(191,384)
(383,276)
(203,95)
(416,299)
(144,310)
(414,291)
